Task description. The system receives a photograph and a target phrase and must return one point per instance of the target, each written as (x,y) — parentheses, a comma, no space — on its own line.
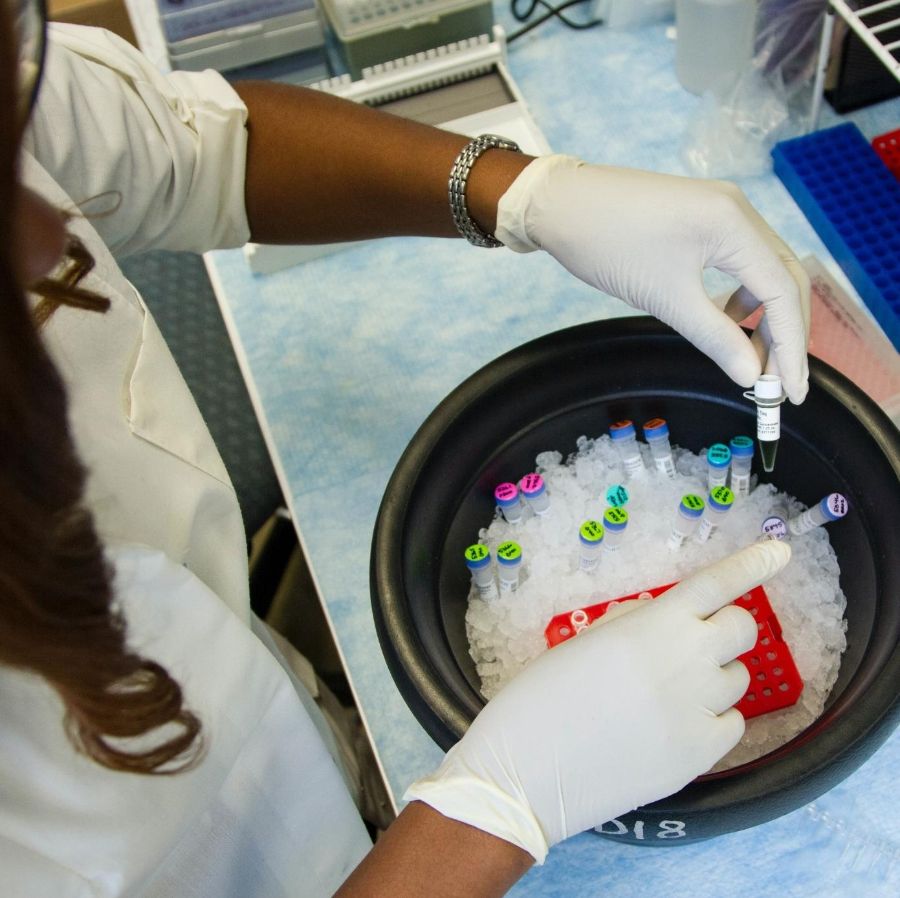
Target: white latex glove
(626,713)
(646,239)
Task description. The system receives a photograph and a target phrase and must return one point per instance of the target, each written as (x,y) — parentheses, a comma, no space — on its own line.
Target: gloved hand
(626,713)
(646,239)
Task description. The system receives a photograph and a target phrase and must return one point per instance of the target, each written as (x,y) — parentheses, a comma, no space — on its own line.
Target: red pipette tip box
(888,148)
(775,682)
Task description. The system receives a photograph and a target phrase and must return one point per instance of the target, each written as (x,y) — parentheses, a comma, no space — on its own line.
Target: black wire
(552,12)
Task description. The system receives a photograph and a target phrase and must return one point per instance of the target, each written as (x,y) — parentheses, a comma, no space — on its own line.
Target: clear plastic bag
(731,136)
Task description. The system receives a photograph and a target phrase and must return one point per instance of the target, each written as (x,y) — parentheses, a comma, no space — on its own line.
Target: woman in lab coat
(153,740)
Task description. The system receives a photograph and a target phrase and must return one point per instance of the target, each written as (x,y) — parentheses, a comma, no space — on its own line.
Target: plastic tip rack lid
(741,446)
(656,428)
(621,430)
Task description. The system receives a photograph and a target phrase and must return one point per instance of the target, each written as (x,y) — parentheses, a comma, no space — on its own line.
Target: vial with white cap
(590,539)
(615,520)
(741,462)
(478,561)
(768,396)
(506,496)
(624,438)
(831,508)
(718,458)
(509,563)
(686,520)
(535,492)
(656,433)
(718,504)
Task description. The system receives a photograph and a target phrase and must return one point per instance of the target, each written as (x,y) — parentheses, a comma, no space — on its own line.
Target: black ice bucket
(546,394)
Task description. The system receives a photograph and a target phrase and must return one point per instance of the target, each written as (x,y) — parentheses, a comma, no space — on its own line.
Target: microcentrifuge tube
(656,433)
(590,539)
(535,493)
(624,438)
(686,520)
(831,508)
(717,506)
(478,561)
(768,396)
(741,462)
(718,458)
(507,498)
(615,520)
(509,562)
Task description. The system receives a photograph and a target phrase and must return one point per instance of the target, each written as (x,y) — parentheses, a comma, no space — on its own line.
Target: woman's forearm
(323,169)
(425,853)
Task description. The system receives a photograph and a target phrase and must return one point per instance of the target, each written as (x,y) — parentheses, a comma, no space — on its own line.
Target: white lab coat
(267,812)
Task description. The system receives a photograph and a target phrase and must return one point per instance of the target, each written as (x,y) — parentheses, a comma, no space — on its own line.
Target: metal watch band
(456,188)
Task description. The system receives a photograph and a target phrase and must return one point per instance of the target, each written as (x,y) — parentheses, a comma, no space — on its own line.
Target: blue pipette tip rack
(852,199)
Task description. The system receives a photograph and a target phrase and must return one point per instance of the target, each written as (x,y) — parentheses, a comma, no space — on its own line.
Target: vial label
(477,552)
(509,585)
(676,539)
(837,505)
(705,530)
(588,563)
(774,528)
(740,484)
(616,496)
(506,492)
(634,464)
(768,423)
(666,465)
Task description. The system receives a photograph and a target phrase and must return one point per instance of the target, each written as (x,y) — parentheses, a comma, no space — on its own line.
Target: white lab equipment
(714,43)
(656,433)
(624,438)
(718,504)
(830,508)
(687,518)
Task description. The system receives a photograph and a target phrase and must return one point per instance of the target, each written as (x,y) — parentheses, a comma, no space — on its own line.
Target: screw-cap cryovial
(590,539)
(741,463)
(656,433)
(718,504)
(624,438)
(535,492)
(478,561)
(509,561)
(690,510)
(718,458)
(615,520)
(506,496)
(831,508)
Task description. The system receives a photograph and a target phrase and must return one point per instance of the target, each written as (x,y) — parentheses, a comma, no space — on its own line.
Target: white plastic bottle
(714,45)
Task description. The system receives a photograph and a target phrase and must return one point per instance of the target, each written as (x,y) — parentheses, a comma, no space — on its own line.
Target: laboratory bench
(347,354)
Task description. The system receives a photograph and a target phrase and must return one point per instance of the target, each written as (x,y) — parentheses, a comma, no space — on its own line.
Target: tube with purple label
(831,508)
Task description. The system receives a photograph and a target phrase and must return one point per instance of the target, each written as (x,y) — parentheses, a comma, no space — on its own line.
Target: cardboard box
(109,14)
